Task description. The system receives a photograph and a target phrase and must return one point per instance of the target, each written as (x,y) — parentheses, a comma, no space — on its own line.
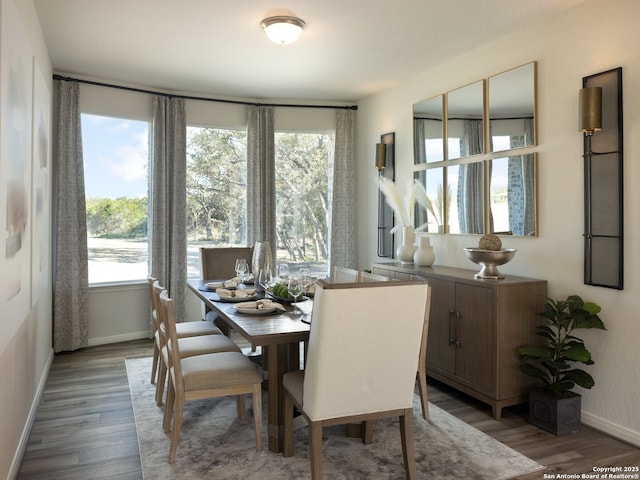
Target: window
(116,164)
(303,165)
(216,190)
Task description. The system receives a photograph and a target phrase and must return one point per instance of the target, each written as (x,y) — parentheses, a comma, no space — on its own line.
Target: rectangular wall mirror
(512,107)
(512,195)
(495,192)
(433,219)
(428,140)
(466,205)
(465,121)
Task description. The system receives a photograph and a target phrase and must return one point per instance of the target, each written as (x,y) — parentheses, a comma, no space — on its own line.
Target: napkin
(262,304)
(244,293)
(232,283)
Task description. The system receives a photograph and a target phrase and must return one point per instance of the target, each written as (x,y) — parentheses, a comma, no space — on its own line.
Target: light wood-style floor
(85,428)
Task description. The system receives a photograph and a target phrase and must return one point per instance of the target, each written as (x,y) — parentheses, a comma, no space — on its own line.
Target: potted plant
(554,406)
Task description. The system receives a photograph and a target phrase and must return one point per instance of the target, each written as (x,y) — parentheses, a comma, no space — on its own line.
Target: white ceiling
(349,49)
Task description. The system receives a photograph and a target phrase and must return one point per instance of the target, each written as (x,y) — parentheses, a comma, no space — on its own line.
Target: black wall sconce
(385,163)
(601,125)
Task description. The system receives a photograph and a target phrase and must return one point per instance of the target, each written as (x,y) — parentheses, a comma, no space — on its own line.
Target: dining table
(278,333)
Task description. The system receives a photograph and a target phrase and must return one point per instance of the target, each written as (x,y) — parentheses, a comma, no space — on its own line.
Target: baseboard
(92,342)
(610,428)
(33,411)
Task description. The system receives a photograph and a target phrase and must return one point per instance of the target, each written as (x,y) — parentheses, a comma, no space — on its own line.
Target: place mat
(214,443)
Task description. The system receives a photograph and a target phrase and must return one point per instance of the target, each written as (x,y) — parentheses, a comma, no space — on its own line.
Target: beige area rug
(215,444)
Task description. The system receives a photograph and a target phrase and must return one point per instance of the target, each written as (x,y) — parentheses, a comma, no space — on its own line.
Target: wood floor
(85,429)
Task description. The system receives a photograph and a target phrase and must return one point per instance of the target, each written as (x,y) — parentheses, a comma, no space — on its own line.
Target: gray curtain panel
(169,200)
(261,177)
(71,270)
(343,212)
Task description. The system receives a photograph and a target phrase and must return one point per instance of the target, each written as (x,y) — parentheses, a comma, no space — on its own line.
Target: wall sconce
(600,102)
(381,154)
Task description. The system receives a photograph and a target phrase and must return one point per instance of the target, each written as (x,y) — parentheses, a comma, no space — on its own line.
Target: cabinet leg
(497,412)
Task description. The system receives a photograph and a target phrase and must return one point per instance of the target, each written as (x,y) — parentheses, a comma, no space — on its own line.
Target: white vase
(424,255)
(404,252)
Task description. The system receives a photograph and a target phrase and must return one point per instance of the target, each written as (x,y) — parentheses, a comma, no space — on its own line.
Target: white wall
(592,37)
(25,343)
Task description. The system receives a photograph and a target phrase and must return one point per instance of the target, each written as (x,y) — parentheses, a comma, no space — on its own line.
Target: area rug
(215,444)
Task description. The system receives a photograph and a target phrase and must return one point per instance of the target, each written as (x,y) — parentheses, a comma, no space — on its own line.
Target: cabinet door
(475,334)
(440,346)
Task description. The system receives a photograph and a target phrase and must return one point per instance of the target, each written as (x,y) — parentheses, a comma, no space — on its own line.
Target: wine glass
(242,268)
(283,271)
(296,286)
(307,280)
(265,278)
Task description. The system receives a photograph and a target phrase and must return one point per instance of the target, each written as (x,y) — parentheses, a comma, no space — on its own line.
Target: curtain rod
(187,97)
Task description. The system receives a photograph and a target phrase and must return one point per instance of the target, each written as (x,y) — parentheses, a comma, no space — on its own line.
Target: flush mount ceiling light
(282,29)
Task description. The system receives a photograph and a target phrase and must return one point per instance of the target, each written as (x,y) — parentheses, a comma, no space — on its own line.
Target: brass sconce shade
(381,154)
(590,110)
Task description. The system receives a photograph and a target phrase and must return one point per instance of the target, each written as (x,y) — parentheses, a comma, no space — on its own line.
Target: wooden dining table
(279,334)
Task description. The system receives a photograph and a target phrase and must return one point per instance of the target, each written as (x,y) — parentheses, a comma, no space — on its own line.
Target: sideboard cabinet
(475,329)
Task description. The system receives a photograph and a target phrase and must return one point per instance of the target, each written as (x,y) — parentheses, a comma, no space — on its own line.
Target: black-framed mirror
(385,163)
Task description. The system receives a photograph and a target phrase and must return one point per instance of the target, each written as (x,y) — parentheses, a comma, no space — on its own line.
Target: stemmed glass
(305,275)
(265,279)
(296,286)
(242,269)
(283,271)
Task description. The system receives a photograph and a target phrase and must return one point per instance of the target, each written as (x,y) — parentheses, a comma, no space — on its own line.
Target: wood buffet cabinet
(475,329)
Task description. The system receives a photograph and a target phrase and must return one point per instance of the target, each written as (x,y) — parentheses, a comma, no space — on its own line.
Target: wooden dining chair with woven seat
(189,346)
(364,345)
(219,263)
(206,376)
(344,275)
(372,277)
(183,329)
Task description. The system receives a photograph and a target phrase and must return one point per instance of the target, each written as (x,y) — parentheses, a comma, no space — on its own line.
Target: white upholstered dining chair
(361,362)
(344,275)
(206,376)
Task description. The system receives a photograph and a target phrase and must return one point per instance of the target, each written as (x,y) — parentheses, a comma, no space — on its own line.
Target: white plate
(253,311)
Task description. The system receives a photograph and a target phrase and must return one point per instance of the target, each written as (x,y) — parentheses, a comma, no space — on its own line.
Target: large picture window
(216,190)
(304,162)
(116,166)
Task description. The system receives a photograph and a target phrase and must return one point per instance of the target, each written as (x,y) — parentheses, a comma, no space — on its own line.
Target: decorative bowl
(490,260)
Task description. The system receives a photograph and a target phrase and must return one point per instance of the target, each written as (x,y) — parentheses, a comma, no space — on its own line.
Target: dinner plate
(253,311)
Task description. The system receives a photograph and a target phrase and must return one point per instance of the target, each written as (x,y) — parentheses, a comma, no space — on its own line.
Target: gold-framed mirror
(512,195)
(465,121)
(428,130)
(512,109)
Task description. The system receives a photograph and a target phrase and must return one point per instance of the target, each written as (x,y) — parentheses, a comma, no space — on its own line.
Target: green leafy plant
(553,362)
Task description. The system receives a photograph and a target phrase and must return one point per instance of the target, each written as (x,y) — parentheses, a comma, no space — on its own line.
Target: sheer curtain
(71,271)
(168,199)
(419,140)
(343,214)
(470,182)
(261,177)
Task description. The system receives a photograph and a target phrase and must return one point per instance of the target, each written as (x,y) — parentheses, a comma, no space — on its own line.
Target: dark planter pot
(559,416)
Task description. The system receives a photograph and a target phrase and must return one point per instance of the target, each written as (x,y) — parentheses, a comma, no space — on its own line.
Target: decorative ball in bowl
(490,260)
